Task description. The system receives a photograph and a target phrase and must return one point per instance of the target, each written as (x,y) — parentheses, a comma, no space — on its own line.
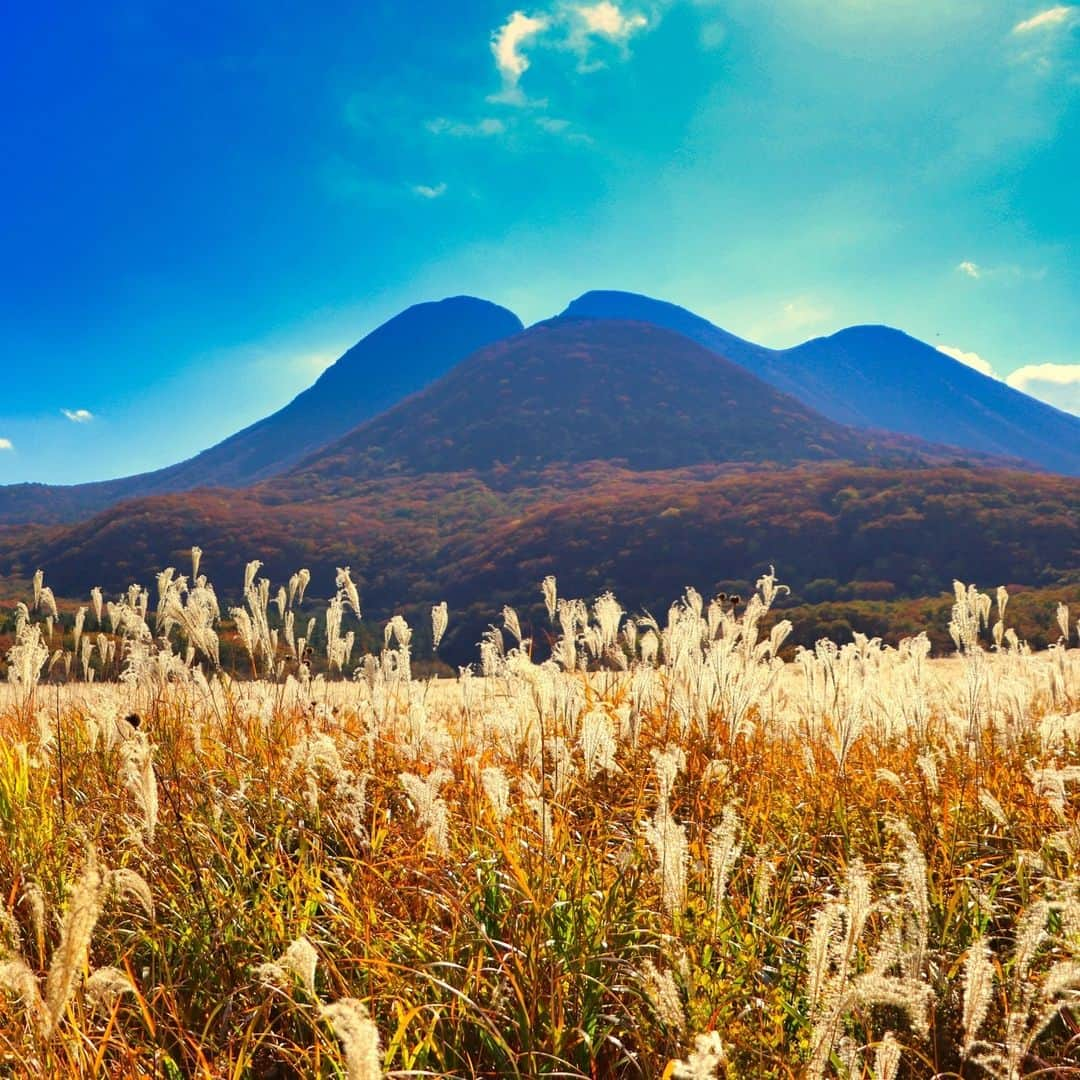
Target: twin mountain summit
(626,443)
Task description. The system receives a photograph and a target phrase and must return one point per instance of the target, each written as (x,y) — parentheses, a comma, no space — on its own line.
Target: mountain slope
(874,376)
(393,361)
(579,390)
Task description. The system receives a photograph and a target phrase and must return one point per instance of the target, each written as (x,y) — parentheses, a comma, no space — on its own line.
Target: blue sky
(204,204)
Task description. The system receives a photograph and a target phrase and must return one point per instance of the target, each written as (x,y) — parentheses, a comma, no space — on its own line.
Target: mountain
(393,361)
(877,377)
(574,391)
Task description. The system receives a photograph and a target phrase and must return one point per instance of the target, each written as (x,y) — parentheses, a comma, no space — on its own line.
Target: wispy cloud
(6,444)
(563,26)
(487,126)
(1056,384)
(971,269)
(1054,16)
(78,416)
(507,47)
(426,191)
(972,359)
(607,20)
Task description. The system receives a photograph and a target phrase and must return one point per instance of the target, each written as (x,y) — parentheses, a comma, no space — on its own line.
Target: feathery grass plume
(928,766)
(497,789)
(667,764)
(978,990)
(344,583)
(432,813)
(1062,621)
(299,960)
(970,612)
(95,603)
(551,594)
(21,983)
(250,570)
(440,619)
(105,986)
(26,658)
(668,840)
(662,992)
(69,959)
(887,1058)
(39,577)
(993,808)
(705,1059)
(77,632)
(597,742)
(359,1037)
(127,882)
(137,775)
(912,870)
(47,603)
(724,851)
(512,623)
(34,899)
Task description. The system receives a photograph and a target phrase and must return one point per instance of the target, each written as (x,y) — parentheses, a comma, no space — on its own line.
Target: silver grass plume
(724,851)
(76,930)
(497,789)
(511,622)
(18,980)
(550,591)
(137,775)
(887,1059)
(704,1060)
(978,990)
(250,571)
(47,603)
(597,741)
(440,619)
(95,603)
(299,960)
(346,585)
(432,813)
(664,996)
(105,986)
(359,1037)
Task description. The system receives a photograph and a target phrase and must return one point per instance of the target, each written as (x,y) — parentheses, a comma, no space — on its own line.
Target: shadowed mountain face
(873,376)
(578,390)
(394,361)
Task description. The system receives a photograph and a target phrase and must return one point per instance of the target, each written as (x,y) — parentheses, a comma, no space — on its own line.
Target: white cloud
(507,41)
(969,268)
(973,360)
(78,416)
(608,21)
(6,444)
(1051,17)
(573,27)
(1056,384)
(427,192)
(486,126)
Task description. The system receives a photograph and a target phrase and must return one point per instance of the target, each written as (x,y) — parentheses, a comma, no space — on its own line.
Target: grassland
(663,852)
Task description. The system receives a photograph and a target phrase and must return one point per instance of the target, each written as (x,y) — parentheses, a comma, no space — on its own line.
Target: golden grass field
(665,852)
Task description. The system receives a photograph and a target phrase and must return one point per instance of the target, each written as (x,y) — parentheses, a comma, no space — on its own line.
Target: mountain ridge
(434,335)
(879,377)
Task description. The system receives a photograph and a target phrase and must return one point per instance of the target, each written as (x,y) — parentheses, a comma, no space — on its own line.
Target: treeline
(850,542)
